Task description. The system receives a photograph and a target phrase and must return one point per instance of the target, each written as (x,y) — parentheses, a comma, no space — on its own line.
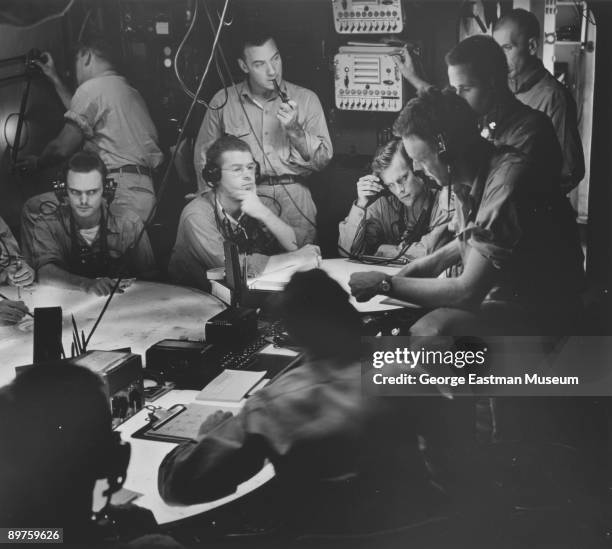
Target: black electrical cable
(166,176)
(184,86)
(383,260)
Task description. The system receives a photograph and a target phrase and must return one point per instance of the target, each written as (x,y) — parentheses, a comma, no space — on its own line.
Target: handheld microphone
(281,93)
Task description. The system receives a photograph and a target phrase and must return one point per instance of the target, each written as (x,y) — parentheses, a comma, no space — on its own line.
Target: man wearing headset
(396,213)
(107,116)
(13,271)
(234,211)
(81,243)
(522,267)
(286,131)
(478,72)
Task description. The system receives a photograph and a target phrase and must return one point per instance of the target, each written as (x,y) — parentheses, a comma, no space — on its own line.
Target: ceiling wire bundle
(164,183)
(177,56)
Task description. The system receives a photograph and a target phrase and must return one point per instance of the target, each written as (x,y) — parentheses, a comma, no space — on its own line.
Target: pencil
(7,299)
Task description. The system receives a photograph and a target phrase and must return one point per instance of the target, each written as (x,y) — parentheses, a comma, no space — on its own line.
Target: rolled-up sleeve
(352,231)
(318,141)
(43,245)
(84,109)
(496,229)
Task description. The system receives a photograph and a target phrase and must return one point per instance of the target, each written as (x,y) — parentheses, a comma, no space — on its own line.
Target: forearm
(351,231)
(417,83)
(432,292)
(283,233)
(63,92)
(56,276)
(433,264)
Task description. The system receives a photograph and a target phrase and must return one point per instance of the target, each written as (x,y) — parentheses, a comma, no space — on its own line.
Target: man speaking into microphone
(282,123)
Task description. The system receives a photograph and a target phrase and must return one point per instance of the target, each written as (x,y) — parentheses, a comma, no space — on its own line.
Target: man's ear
(533,46)
(243,66)
(88,57)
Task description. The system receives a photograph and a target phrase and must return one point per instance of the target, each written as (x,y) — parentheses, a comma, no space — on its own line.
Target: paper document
(230,386)
(283,351)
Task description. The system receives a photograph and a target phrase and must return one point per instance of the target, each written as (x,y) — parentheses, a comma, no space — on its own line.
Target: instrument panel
(367,16)
(367,79)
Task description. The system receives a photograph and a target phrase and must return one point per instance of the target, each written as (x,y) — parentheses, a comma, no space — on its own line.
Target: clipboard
(179,423)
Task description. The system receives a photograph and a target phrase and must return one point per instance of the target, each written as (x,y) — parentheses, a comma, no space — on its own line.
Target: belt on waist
(286,179)
(133,168)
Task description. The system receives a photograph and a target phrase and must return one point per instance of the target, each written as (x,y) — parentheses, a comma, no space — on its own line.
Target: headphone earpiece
(211,173)
(60,190)
(441,143)
(109,189)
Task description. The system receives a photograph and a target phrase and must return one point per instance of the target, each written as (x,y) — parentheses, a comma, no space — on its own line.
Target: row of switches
(347,26)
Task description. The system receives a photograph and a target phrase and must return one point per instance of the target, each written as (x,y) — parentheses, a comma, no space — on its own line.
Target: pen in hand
(2,296)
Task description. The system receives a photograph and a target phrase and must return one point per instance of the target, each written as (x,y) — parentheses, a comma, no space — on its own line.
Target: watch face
(385,286)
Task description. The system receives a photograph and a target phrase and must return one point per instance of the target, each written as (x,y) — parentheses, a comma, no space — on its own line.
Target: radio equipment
(122,373)
(367,16)
(367,79)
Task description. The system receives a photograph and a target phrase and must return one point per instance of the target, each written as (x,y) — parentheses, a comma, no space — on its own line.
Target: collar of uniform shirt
(530,76)
(229,216)
(245,91)
(112,227)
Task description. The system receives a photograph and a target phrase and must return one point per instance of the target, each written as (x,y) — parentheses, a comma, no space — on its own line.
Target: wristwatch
(384,286)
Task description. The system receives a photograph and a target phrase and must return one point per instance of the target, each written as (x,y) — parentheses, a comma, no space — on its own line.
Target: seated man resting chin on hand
(234,211)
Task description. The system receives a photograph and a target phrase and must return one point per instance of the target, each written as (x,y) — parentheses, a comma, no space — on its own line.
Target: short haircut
(100,45)
(317,313)
(526,22)
(433,114)
(484,58)
(255,36)
(85,162)
(385,153)
(225,143)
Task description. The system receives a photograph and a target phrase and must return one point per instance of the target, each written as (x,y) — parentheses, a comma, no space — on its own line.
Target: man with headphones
(107,116)
(522,268)
(57,442)
(283,124)
(478,72)
(234,211)
(396,214)
(81,243)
